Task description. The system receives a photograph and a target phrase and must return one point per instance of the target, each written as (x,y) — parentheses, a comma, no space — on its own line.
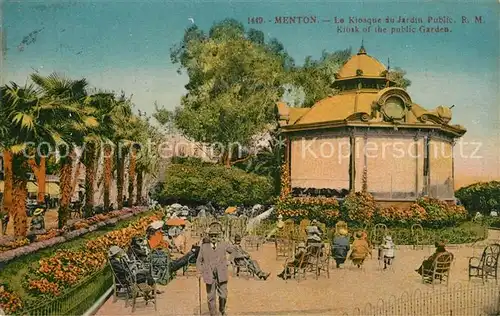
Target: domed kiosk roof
(362,64)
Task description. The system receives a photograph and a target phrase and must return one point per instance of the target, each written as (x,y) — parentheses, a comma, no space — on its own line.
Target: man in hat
(212,266)
(241,258)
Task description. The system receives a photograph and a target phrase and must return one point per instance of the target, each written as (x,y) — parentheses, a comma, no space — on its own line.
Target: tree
(313,80)
(398,76)
(233,87)
(71,95)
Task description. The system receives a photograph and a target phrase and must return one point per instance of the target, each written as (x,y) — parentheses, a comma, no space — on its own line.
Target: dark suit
(212,265)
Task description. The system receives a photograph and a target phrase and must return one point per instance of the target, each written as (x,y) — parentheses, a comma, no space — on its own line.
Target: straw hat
(114,250)
(215,228)
(301,245)
(343,232)
(388,238)
(156,225)
(38,211)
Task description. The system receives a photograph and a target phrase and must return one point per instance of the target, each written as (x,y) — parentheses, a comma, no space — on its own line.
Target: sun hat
(38,211)
(343,231)
(156,225)
(388,238)
(301,245)
(114,250)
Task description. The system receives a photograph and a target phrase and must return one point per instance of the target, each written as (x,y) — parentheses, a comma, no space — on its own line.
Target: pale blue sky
(125,45)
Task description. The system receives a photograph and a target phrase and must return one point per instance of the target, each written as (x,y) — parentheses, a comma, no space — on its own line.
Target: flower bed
(11,248)
(55,275)
(361,209)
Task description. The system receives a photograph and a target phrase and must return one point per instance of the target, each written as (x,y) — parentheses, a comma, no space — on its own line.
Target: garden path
(346,289)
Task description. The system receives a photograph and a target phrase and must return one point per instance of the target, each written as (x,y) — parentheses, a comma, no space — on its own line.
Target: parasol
(230,210)
(176,222)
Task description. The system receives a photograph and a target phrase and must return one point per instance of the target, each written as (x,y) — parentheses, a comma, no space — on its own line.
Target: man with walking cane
(212,266)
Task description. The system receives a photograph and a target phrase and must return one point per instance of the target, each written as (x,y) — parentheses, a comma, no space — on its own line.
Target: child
(388,251)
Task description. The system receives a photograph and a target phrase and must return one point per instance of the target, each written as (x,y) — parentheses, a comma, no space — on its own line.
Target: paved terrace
(346,289)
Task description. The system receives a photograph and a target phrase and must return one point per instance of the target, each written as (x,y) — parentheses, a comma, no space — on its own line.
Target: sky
(124,45)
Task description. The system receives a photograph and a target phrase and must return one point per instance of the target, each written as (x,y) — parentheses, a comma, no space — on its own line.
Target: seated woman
(360,250)
(301,250)
(340,247)
(426,265)
(155,236)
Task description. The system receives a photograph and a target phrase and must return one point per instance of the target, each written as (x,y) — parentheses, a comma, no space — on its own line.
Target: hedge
(482,197)
(190,181)
(361,209)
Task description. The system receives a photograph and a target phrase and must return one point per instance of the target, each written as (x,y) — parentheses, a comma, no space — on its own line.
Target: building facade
(370,136)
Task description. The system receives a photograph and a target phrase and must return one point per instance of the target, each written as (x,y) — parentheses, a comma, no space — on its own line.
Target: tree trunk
(107,175)
(74,180)
(120,175)
(8,183)
(131,177)
(40,175)
(20,219)
(140,184)
(66,189)
(90,167)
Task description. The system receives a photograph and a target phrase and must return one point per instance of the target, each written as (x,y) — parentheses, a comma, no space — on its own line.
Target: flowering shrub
(394,216)
(359,207)
(321,208)
(9,302)
(440,214)
(65,268)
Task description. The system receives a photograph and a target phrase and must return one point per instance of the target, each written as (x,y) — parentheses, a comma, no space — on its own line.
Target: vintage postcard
(216,157)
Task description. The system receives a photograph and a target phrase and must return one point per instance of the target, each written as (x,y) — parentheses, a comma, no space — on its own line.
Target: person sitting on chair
(122,269)
(426,265)
(301,250)
(155,235)
(360,250)
(340,247)
(138,249)
(388,251)
(242,258)
(314,234)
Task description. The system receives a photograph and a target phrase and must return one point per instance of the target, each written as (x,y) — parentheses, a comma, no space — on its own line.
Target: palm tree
(31,120)
(72,94)
(148,159)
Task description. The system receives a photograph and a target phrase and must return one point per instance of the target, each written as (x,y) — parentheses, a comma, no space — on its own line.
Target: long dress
(360,250)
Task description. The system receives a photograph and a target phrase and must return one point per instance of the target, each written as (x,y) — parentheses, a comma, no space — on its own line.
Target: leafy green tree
(313,80)
(398,76)
(234,83)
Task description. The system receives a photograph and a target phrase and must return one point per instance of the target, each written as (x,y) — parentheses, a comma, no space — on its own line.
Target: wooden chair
(120,287)
(297,266)
(322,261)
(241,267)
(284,247)
(487,265)
(439,269)
(417,235)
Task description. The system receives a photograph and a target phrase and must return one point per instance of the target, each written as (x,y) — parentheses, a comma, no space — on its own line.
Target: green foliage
(359,207)
(398,76)
(482,197)
(324,209)
(312,81)
(193,181)
(234,84)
